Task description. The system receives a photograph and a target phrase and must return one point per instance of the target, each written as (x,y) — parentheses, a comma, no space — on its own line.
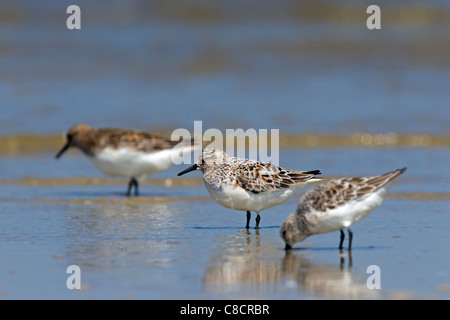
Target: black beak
(64,149)
(287,247)
(192,168)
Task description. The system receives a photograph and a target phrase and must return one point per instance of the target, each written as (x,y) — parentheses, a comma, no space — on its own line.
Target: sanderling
(123,152)
(336,205)
(248,185)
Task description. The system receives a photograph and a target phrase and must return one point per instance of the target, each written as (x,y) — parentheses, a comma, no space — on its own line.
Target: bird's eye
(69,136)
(284,232)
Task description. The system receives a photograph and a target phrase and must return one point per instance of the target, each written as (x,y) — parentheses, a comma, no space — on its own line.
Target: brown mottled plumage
(255,176)
(335,205)
(248,185)
(338,192)
(124,152)
(90,140)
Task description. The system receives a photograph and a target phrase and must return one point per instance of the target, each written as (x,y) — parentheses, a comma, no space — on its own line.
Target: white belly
(344,216)
(131,163)
(234,197)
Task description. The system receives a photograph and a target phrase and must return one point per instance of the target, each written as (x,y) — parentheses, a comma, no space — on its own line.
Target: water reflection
(325,280)
(249,264)
(104,234)
(242,265)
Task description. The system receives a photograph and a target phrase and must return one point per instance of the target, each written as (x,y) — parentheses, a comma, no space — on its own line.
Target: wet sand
(24,145)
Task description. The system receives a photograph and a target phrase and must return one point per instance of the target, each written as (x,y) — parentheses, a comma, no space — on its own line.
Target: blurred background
(309,68)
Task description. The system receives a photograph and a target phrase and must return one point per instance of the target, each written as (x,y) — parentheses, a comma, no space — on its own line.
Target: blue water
(156,73)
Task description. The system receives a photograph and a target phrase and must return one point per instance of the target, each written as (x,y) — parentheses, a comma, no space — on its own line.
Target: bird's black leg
(342,239)
(136,187)
(247,226)
(258,219)
(133,182)
(350,237)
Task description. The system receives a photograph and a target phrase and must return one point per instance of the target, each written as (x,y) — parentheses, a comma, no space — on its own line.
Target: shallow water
(174,242)
(346,101)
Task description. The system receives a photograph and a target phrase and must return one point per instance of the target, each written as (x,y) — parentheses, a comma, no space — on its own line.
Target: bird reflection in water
(325,280)
(253,267)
